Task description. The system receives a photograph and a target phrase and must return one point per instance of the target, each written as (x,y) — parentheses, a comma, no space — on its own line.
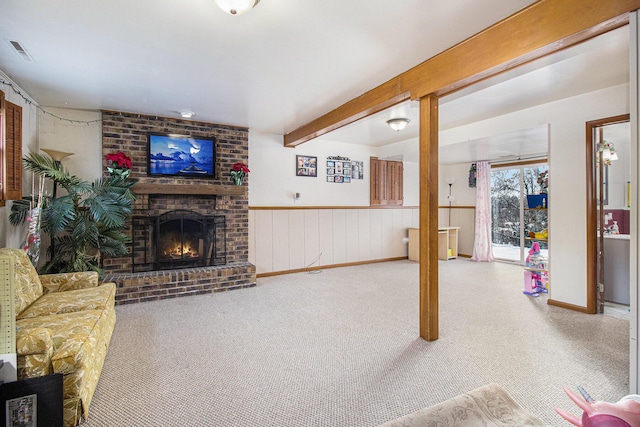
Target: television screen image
(184,156)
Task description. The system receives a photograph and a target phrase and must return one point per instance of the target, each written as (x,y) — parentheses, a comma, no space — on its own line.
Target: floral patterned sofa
(64,324)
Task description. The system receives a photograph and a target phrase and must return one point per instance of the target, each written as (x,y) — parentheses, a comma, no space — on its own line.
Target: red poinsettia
(238,172)
(119,158)
(119,164)
(240,167)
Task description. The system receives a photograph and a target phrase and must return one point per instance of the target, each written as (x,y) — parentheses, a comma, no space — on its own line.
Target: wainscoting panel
(376,233)
(284,240)
(339,236)
(311,236)
(264,241)
(325,222)
(364,234)
(297,243)
(352,235)
(252,238)
(281,240)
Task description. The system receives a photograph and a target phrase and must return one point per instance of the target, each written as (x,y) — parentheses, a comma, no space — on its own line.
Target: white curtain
(482,250)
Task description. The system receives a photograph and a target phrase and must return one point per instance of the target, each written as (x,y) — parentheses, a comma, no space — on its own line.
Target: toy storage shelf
(540,270)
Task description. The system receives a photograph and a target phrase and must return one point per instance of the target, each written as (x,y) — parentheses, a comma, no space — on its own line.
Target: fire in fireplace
(178,239)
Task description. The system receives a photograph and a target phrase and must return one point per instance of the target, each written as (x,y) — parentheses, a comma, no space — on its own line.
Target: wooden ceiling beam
(544,27)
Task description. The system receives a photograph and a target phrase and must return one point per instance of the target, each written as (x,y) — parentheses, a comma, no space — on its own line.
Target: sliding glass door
(516,224)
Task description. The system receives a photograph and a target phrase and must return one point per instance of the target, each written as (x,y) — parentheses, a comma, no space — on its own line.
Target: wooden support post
(429,217)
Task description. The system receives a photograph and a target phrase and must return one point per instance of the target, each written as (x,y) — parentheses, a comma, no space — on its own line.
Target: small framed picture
(347,179)
(330,179)
(306,166)
(331,164)
(331,171)
(357,169)
(32,401)
(22,411)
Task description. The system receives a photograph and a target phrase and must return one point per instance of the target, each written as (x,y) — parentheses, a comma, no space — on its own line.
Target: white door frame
(634,110)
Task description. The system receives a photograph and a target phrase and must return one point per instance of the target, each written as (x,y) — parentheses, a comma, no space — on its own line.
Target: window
(512,219)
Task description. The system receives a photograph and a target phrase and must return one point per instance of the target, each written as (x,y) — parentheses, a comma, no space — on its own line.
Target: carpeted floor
(341,348)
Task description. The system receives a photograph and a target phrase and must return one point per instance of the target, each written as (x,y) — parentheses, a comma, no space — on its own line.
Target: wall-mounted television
(181,156)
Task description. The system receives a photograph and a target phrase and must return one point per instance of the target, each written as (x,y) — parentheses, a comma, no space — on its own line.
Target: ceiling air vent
(21,50)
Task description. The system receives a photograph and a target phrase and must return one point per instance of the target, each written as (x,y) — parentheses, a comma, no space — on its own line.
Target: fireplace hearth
(178,239)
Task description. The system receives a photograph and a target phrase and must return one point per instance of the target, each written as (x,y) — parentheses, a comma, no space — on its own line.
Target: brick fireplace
(160,196)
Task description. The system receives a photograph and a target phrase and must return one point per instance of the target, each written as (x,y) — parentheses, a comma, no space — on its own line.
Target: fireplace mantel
(192,189)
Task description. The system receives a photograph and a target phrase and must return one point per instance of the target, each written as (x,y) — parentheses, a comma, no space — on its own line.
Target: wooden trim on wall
(542,28)
(568,306)
(324,267)
(291,208)
(519,164)
(456,207)
(592,211)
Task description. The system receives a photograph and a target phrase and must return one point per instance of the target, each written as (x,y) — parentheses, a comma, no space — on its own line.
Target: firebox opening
(178,239)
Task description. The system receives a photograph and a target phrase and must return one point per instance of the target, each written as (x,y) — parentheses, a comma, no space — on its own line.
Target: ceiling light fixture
(187,114)
(398,124)
(236,7)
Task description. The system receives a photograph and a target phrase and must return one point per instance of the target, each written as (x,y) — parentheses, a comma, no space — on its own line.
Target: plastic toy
(624,413)
(544,234)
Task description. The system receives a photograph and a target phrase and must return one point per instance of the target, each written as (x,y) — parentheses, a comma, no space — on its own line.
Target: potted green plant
(86,223)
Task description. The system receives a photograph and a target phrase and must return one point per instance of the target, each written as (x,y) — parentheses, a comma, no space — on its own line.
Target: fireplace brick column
(127,132)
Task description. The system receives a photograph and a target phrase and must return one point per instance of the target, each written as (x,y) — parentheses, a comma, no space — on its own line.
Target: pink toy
(624,413)
(535,248)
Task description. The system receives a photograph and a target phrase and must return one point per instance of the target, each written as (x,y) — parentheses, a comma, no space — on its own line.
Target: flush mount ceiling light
(187,114)
(236,7)
(398,124)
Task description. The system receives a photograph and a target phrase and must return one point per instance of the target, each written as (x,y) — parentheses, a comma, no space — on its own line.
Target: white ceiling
(596,64)
(286,63)
(274,69)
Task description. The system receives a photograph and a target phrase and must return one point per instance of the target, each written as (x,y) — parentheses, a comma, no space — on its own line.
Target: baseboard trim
(324,267)
(465,256)
(567,306)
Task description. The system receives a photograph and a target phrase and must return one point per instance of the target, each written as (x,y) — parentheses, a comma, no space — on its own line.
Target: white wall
(82,139)
(567,200)
(11,236)
(273,179)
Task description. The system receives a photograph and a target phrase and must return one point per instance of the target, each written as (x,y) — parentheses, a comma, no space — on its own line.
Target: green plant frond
(80,187)
(86,232)
(115,235)
(20,211)
(113,246)
(59,214)
(114,186)
(45,165)
(107,210)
